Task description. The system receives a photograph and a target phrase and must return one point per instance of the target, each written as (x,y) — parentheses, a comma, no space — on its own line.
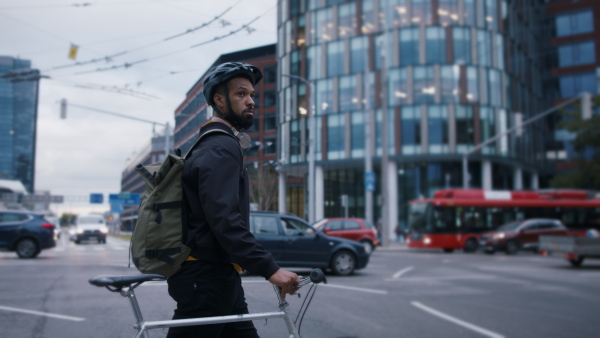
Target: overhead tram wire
(109,58)
(130,64)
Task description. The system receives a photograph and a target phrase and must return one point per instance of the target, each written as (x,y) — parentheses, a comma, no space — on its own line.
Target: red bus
(454,218)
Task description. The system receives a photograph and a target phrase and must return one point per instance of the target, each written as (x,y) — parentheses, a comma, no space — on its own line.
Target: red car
(356,229)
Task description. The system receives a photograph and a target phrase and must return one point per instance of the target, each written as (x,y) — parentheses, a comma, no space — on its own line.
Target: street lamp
(311,148)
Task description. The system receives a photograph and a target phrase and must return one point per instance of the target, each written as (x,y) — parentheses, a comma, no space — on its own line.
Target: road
(401,293)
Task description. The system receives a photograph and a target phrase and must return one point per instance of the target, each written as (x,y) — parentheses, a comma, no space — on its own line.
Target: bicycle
(125,286)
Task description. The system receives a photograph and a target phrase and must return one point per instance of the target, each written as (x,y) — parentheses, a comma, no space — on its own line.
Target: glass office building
(18,120)
(447,74)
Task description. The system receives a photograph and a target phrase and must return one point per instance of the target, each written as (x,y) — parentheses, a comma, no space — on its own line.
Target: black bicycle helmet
(225,72)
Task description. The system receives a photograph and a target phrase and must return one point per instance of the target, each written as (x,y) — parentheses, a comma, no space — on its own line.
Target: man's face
(241,97)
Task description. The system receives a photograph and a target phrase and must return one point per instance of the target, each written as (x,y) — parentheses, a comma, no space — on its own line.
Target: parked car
(89,227)
(56,221)
(26,233)
(521,234)
(355,229)
(294,243)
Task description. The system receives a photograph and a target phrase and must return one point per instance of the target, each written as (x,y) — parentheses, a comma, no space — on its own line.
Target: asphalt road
(401,293)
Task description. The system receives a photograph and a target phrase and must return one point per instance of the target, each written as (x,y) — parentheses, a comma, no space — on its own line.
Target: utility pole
(385,215)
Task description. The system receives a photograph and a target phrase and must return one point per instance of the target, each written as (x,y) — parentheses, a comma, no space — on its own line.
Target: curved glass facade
(456,71)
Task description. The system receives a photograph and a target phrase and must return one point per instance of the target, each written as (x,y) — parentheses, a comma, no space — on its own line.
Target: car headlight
(426,240)
(499,236)
(104,230)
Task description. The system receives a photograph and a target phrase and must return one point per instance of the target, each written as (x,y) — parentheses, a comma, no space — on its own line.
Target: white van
(90,228)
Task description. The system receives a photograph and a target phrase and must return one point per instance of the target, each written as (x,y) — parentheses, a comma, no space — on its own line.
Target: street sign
(116,206)
(125,198)
(370,181)
(96,198)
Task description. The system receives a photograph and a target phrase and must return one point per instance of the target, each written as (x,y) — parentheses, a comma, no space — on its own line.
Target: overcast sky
(86,152)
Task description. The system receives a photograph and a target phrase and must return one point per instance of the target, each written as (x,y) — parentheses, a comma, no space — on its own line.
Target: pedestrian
(399,234)
(215,186)
(378,227)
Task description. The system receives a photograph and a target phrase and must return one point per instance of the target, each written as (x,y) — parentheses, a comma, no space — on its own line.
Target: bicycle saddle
(122,281)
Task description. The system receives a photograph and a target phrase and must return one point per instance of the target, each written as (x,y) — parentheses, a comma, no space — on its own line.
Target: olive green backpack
(158,240)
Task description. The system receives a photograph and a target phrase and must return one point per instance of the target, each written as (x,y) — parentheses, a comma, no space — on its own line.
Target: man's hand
(286,281)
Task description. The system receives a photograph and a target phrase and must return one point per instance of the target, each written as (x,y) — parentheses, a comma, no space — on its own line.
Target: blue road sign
(116,206)
(370,181)
(125,198)
(96,198)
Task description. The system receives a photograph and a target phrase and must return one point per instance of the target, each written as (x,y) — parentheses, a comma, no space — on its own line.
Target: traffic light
(63,109)
(586,106)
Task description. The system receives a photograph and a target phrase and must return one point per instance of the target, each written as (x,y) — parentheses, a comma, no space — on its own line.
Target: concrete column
(486,175)
(392,198)
(535,184)
(282,193)
(319,193)
(518,179)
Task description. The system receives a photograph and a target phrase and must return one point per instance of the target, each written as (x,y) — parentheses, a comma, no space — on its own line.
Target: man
(215,186)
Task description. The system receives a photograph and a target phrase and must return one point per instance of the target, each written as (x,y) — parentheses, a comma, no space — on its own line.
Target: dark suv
(294,243)
(27,233)
(521,234)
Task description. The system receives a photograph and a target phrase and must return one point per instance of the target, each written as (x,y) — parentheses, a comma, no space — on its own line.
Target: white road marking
(401,272)
(457,321)
(380,292)
(38,313)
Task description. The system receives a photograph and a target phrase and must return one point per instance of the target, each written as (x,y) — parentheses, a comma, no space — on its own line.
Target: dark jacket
(215,185)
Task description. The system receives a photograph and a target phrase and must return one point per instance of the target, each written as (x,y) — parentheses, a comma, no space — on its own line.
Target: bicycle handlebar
(316,276)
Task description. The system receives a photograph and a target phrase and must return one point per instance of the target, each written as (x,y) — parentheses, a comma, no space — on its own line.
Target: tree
(67,218)
(263,187)
(586,173)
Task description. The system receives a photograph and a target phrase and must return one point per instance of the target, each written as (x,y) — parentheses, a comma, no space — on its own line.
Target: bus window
(417,217)
(443,219)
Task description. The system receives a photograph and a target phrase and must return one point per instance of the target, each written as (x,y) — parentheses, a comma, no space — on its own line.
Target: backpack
(158,240)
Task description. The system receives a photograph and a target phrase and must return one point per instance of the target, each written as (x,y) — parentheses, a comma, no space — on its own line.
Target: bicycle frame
(125,285)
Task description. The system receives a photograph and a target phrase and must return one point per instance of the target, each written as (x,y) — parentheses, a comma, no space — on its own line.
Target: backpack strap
(163,254)
(214,127)
(165,205)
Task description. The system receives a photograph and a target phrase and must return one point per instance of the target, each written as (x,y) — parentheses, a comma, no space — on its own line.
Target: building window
(436,44)
(409,46)
(484,48)
(398,87)
(437,121)
(465,136)
(348,94)
(448,12)
(335,58)
(369,91)
(424,89)
(400,13)
(357,141)
(421,12)
(270,98)
(491,14)
(472,84)
(295,141)
(488,127)
(495,88)
(323,27)
(295,64)
(449,76)
(270,145)
(313,62)
(324,97)
(470,12)
(358,54)
(461,37)
(335,136)
(368,20)
(574,23)
(411,130)
(269,122)
(270,74)
(346,20)
(577,54)
(573,85)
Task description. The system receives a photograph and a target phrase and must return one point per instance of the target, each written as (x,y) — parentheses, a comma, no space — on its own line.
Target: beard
(240,121)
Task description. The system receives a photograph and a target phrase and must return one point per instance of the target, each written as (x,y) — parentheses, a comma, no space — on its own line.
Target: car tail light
(47,226)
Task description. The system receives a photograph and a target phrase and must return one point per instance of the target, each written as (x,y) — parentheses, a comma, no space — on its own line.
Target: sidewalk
(395,246)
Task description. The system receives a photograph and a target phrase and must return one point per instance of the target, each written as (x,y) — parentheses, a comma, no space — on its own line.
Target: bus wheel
(448,250)
(471,245)
(512,247)
(576,262)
